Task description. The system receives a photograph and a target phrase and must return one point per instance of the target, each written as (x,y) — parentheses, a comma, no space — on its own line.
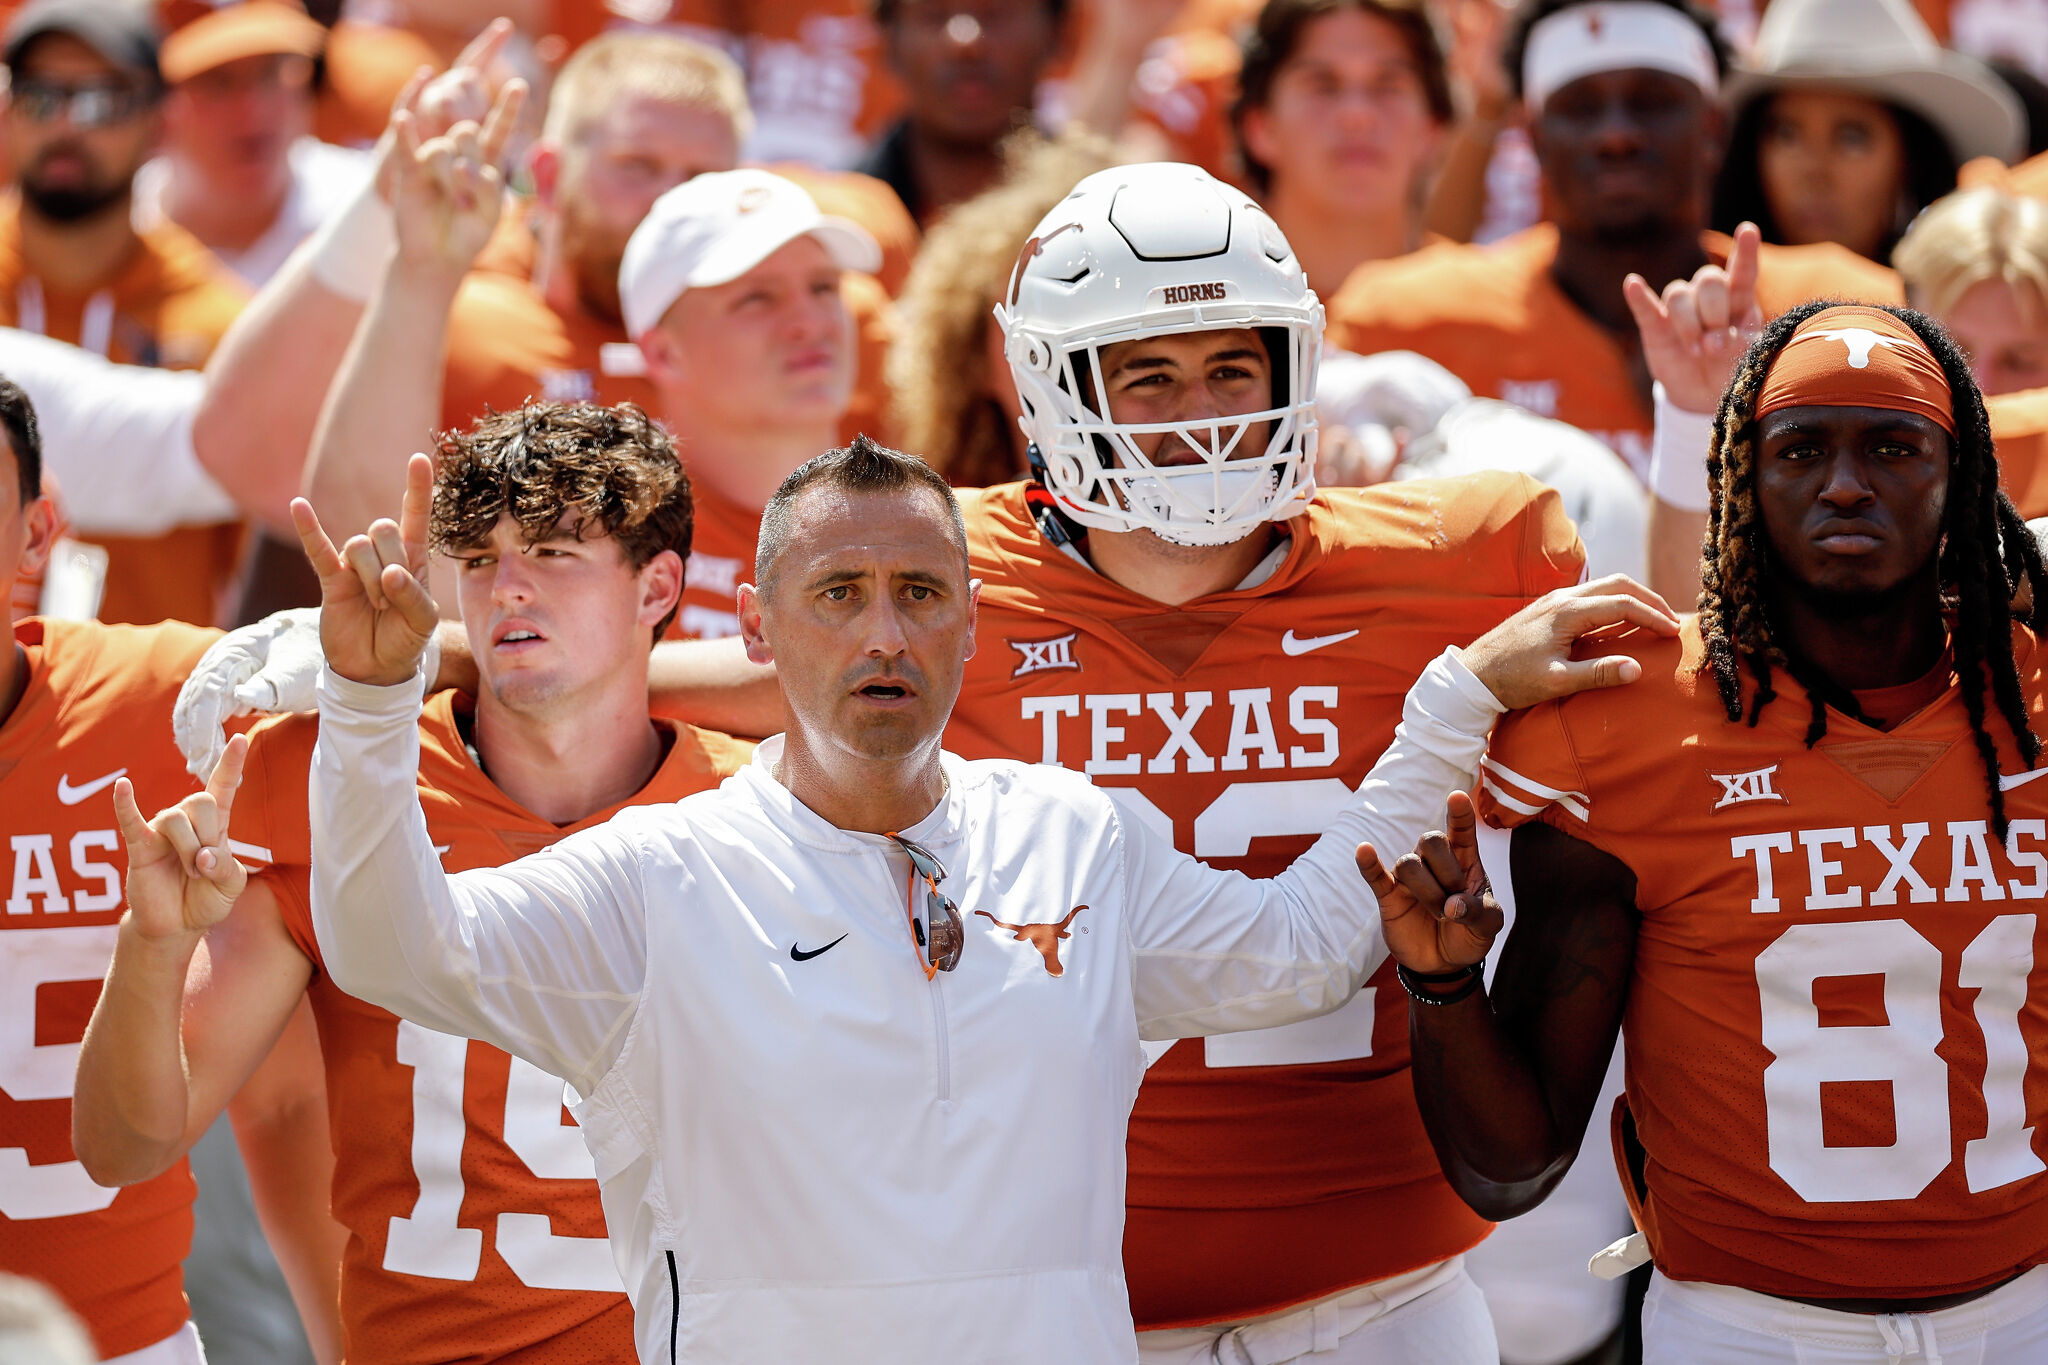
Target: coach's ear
(750,625)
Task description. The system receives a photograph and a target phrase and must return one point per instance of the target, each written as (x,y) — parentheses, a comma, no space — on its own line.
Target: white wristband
(350,249)
(1678,454)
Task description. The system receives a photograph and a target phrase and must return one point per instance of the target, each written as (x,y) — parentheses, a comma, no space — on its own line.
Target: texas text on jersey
(471,1202)
(97,707)
(1239,724)
(1831,1034)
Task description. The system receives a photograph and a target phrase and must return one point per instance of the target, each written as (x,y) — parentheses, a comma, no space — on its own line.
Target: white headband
(1617,36)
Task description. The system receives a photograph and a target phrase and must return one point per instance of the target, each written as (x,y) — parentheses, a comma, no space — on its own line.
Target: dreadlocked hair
(1986,550)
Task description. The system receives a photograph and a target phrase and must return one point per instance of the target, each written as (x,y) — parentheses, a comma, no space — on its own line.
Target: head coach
(856,1035)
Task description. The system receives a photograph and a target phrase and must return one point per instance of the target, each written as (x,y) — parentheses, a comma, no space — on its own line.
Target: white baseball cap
(714,228)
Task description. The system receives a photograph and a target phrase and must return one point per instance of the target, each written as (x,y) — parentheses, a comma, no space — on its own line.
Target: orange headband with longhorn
(1857,357)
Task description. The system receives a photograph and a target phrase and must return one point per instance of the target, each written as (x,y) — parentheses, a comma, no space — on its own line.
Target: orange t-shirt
(816,78)
(97,706)
(1277,1167)
(168,306)
(2019,429)
(471,1203)
(1837,994)
(1495,317)
(367,65)
(722,536)
(507,347)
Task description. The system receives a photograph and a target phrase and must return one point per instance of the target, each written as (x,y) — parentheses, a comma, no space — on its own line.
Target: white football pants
(1687,1323)
(1431,1316)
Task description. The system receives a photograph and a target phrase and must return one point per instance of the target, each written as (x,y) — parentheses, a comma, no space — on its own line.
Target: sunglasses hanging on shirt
(939,932)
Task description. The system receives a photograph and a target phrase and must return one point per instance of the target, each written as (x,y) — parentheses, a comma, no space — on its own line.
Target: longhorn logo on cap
(751,198)
(1859,340)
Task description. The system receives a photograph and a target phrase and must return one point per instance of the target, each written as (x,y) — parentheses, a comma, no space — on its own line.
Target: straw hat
(1882,49)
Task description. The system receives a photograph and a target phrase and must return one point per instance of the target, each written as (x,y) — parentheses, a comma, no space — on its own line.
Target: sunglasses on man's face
(96,105)
(940,933)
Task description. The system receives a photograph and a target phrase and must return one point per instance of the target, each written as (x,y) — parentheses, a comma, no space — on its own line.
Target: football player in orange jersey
(1174,609)
(474,1230)
(1799,856)
(81,704)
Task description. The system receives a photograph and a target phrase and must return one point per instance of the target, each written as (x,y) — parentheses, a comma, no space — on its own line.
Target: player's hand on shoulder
(1437,909)
(1695,332)
(182,879)
(1527,658)
(376,615)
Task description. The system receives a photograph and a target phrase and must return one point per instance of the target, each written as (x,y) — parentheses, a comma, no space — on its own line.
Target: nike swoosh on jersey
(1290,643)
(2007,781)
(797,954)
(71,796)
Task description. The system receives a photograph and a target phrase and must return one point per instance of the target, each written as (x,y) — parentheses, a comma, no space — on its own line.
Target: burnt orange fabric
(367,66)
(2029,177)
(814,67)
(1857,358)
(171,302)
(722,540)
(98,703)
(1495,317)
(1791,1151)
(2019,428)
(872,204)
(453,1313)
(507,347)
(1252,1183)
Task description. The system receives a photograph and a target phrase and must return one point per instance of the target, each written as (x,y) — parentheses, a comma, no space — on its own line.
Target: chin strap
(1056,526)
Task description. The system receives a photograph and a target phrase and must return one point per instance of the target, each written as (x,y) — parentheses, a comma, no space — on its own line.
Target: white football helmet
(1144,251)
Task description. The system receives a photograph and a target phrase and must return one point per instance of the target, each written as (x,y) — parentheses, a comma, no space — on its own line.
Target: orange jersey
(817,81)
(507,347)
(1837,1026)
(722,540)
(1495,317)
(471,1203)
(1242,722)
(2019,428)
(97,706)
(168,307)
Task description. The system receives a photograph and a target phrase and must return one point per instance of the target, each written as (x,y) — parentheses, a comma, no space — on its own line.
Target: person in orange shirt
(1798,855)
(1226,647)
(970,74)
(81,704)
(732,287)
(1341,118)
(631,117)
(814,69)
(80,120)
(470,1203)
(1622,100)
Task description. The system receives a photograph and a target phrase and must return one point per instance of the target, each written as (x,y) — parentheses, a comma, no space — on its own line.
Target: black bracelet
(1415,983)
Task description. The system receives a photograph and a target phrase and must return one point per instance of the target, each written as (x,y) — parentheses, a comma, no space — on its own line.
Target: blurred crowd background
(1467,235)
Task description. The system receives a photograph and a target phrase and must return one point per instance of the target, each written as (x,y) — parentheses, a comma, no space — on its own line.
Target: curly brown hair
(1986,552)
(613,469)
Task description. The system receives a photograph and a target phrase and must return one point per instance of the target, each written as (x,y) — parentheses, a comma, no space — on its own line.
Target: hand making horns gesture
(376,615)
(1695,333)
(182,880)
(1436,907)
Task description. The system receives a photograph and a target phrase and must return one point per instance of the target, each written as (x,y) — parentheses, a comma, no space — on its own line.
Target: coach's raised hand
(1436,906)
(182,880)
(376,615)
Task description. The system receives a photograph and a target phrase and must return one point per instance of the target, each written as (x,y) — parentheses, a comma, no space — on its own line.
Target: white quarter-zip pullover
(808,1152)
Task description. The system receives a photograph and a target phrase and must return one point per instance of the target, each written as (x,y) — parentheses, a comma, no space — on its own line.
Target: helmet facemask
(1102,478)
